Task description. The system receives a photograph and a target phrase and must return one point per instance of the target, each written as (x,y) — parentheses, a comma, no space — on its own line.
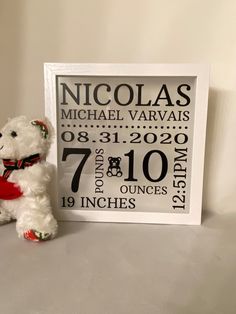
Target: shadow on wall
(219,181)
(211,126)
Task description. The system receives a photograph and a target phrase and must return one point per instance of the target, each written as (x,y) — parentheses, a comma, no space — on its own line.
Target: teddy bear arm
(32,181)
(31,187)
(31,184)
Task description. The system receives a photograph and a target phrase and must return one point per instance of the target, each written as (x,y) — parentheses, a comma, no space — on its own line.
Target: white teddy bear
(24,145)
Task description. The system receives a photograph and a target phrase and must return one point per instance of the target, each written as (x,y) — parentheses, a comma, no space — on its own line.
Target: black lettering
(185,96)
(139,101)
(70,114)
(116,94)
(182,154)
(95,94)
(66,89)
(131,203)
(87,92)
(166,96)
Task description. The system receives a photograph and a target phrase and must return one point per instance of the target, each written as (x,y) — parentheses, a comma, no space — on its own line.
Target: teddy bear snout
(0,134)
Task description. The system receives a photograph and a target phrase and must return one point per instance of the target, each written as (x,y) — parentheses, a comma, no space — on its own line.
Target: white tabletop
(99,268)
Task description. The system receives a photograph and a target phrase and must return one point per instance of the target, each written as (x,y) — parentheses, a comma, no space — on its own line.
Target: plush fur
(19,139)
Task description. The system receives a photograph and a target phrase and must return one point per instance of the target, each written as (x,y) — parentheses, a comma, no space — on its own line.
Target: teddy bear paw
(36,236)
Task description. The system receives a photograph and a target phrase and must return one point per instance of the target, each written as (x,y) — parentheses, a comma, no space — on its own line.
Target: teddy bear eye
(13,134)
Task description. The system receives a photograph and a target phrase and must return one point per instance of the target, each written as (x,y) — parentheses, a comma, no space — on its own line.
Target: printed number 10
(146,170)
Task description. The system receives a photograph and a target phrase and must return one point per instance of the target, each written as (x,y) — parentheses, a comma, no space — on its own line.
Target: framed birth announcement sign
(129,144)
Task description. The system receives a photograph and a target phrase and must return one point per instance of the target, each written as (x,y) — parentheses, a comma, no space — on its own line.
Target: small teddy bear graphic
(24,145)
(114,169)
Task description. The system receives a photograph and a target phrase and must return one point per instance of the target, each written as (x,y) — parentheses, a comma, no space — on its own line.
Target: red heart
(9,190)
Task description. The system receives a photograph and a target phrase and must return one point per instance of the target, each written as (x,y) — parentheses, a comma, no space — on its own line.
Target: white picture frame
(198,74)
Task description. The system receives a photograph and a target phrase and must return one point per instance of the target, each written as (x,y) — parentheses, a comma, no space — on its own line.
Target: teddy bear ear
(42,126)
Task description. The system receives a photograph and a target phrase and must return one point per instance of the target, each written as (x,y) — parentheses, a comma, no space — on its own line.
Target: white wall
(152,31)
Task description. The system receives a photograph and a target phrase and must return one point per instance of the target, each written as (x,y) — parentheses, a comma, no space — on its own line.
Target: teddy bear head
(21,138)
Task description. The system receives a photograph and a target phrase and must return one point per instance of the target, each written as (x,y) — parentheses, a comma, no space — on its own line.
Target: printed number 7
(76,151)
